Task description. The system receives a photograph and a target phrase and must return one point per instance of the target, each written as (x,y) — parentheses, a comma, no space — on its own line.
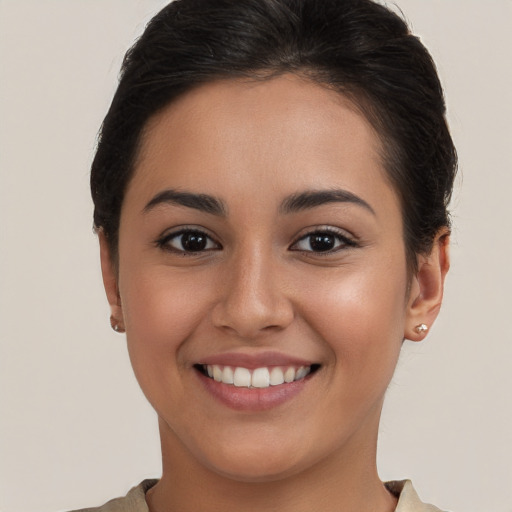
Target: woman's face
(261,241)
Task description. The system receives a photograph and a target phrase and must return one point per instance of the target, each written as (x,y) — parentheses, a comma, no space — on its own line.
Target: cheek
(160,313)
(360,315)
(156,299)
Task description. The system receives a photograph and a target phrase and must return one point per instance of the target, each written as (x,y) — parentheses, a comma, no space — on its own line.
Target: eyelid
(163,240)
(347,240)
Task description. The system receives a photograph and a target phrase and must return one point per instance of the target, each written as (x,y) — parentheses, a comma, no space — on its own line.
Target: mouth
(257,378)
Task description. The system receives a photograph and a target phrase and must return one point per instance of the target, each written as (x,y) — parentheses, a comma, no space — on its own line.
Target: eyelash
(164,241)
(341,239)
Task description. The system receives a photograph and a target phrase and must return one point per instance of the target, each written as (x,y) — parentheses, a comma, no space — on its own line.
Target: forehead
(286,133)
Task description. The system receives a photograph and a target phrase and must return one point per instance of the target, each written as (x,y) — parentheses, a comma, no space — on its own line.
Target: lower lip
(252,399)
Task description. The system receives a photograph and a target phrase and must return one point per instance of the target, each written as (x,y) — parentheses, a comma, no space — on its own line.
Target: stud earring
(115,325)
(421,328)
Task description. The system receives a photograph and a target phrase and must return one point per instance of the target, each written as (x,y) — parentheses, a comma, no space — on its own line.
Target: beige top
(135,500)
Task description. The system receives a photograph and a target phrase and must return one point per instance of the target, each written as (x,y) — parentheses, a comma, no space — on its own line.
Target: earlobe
(110,282)
(426,293)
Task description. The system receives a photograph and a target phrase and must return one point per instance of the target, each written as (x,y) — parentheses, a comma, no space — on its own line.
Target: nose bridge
(254,299)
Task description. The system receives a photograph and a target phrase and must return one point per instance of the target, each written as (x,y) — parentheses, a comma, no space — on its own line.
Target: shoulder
(134,501)
(408,499)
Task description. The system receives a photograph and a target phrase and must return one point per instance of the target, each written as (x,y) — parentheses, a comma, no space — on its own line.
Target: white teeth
(289,374)
(217,373)
(227,375)
(242,377)
(259,378)
(276,376)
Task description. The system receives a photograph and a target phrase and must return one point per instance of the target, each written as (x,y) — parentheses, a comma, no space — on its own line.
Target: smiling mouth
(259,378)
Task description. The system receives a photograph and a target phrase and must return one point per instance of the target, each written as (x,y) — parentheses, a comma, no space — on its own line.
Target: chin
(254,464)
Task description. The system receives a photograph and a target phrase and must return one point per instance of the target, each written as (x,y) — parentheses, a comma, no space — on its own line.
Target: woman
(271,187)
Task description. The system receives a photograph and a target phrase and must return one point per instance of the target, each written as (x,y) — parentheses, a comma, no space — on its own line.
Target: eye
(326,240)
(188,241)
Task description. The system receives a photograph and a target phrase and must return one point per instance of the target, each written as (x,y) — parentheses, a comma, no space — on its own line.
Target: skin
(259,286)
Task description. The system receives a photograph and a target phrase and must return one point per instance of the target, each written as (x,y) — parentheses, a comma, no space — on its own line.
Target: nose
(252,298)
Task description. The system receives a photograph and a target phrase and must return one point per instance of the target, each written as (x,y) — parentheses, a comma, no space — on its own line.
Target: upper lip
(253,361)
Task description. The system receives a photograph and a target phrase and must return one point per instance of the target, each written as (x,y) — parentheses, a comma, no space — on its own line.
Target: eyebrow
(202,202)
(313,198)
(292,204)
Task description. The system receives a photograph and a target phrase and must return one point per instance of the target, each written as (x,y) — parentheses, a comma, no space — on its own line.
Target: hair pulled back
(356,47)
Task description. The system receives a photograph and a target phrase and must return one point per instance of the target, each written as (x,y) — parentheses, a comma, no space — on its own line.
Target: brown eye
(193,241)
(323,241)
(188,241)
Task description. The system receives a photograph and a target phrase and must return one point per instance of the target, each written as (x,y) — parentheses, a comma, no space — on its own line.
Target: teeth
(217,373)
(301,372)
(276,376)
(242,377)
(289,374)
(259,378)
(227,375)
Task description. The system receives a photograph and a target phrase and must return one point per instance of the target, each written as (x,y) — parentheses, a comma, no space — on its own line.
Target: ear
(109,273)
(426,291)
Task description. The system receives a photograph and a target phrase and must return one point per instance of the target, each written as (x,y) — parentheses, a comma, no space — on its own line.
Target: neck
(345,482)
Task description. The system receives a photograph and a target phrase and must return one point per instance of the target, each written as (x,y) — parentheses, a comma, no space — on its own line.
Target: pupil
(193,242)
(321,242)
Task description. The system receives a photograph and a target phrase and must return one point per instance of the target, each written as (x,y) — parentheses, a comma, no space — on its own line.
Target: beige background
(75,429)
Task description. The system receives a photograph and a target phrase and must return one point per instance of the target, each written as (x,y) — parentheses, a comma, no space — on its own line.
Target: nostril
(252,301)
(272,328)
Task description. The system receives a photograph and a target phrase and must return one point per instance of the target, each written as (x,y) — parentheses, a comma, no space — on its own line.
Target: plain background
(75,429)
